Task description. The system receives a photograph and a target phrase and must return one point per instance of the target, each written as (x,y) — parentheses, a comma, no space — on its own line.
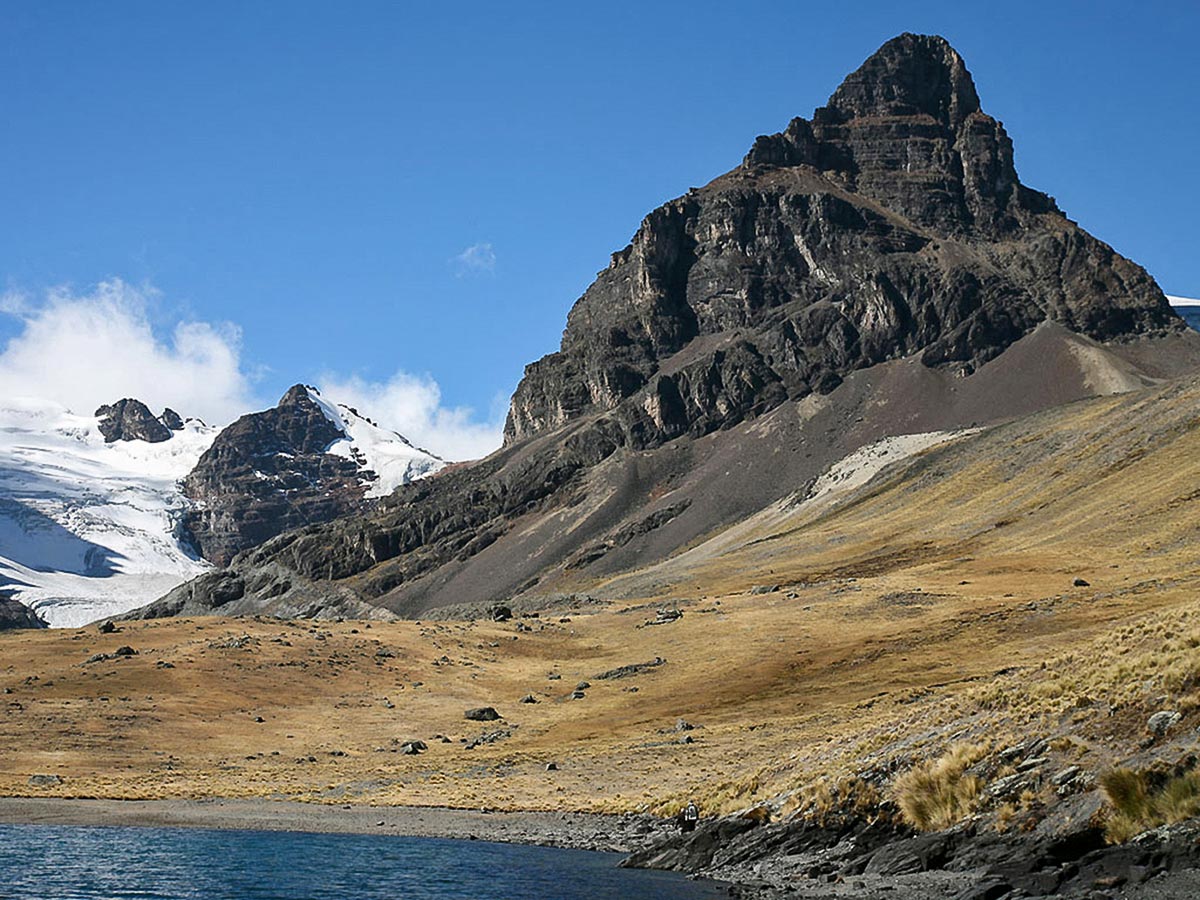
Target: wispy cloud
(84,350)
(15,303)
(478,259)
(412,405)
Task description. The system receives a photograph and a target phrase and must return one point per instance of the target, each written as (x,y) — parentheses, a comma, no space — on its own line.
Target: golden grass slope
(933,608)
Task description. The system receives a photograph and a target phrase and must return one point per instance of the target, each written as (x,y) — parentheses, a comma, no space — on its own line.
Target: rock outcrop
(876,270)
(15,614)
(171,419)
(131,420)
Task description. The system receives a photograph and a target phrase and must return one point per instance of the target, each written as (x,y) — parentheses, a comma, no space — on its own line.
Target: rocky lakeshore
(1065,858)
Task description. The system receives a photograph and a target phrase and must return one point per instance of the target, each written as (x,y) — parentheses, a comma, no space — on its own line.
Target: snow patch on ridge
(377,451)
(865,463)
(90,529)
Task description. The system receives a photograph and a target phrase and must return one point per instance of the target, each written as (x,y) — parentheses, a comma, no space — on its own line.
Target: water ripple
(55,862)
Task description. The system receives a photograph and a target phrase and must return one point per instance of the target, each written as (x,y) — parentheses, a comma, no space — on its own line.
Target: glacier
(90,529)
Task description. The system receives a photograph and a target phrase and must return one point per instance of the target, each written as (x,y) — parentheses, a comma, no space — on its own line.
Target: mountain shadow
(34,540)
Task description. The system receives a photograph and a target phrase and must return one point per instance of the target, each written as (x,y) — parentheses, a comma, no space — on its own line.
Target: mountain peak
(305,460)
(297,395)
(906,130)
(912,74)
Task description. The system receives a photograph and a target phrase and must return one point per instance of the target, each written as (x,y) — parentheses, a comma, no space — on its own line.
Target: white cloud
(1182,301)
(85,350)
(412,406)
(476,259)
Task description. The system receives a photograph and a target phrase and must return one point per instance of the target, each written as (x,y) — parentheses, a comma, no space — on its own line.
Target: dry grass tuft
(937,794)
(827,798)
(1144,800)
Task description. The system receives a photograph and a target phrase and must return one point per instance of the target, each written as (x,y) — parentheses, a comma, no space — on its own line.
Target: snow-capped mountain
(305,460)
(98,517)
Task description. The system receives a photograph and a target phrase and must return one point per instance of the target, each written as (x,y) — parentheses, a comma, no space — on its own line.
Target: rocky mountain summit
(876,270)
(891,224)
(298,463)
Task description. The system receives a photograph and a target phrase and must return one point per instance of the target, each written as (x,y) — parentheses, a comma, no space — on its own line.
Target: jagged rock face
(891,224)
(131,420)
(266,473)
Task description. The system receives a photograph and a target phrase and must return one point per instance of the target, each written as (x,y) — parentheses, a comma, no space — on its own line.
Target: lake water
(56,862)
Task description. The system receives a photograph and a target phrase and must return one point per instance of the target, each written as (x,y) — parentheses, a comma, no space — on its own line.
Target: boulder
(1162,722)
(482,714)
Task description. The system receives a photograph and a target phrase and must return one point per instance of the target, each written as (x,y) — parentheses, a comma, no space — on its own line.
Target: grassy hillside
(825,649)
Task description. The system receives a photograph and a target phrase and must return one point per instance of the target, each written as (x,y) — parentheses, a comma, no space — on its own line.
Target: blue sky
(402,202)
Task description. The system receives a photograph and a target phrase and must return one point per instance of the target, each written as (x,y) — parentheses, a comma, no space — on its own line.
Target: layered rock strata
(878,269)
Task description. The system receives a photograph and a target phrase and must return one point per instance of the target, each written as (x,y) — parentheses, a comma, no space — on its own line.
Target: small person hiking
(689,817)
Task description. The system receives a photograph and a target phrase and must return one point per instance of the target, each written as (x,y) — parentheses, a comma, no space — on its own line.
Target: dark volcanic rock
(729,355)
(269,472)
(131,420)
(15,614)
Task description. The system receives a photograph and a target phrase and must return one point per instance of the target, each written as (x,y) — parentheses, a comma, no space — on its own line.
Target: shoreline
(570,830)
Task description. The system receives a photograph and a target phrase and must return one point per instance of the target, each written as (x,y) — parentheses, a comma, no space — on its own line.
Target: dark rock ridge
(269,472)
(878,269)
(131,420)
(15,614)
